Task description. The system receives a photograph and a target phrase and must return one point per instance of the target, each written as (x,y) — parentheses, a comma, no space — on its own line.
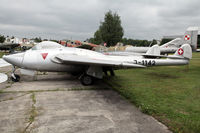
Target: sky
(79,19)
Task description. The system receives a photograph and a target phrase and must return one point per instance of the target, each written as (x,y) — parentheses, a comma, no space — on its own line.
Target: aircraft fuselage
(44,60)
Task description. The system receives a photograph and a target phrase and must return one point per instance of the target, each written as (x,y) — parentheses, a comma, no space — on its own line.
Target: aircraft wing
(4,63)
(84,60)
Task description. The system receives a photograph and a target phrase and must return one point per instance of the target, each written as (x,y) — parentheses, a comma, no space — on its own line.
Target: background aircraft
(8,46)
(169,47)
(89,64)
(78,44)
(190,37)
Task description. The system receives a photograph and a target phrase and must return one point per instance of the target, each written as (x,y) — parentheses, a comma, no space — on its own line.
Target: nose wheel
(14,77)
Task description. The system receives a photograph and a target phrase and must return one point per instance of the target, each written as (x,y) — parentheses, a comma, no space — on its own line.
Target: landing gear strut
(14,77)
(112,73)
(105,70)
(86,79)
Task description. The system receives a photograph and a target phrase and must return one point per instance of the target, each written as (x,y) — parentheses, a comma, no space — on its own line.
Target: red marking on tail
(187,37)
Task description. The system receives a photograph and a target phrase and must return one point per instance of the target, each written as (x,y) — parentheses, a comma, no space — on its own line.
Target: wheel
(86,80)
(15,78)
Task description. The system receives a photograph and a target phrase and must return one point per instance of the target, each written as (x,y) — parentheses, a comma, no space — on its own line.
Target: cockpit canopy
(46,45)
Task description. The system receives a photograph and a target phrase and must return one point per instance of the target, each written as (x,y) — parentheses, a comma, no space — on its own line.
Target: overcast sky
(79,19)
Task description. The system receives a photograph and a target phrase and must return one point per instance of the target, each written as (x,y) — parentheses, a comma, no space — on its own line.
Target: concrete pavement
(59,103)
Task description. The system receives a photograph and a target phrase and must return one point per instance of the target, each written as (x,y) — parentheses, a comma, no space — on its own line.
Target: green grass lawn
(171,94)
(1,54)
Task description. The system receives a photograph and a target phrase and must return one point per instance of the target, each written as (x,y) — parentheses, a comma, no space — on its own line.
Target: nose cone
(14,59)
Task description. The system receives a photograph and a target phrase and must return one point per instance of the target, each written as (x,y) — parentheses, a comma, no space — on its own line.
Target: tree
(153,42)
(163,41)
(2,39)
(37,40)
(97,37)
(110,31)
(91,40)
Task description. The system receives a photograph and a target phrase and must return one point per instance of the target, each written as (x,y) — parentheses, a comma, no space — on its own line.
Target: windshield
(34,48)
(46,45)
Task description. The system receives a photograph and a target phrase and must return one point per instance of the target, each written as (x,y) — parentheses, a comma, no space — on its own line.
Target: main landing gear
(86,79)
(14,77)
(105,70)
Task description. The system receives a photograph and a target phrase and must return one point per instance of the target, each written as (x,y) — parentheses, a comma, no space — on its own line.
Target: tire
(16,78)
(86,80)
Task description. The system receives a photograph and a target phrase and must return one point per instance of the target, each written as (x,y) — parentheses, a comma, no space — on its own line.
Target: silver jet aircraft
(190,37)
(51,56)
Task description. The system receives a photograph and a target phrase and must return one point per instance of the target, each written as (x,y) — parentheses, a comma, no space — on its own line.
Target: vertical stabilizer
(154,50)
(173,43)
(190,37)
(184,51)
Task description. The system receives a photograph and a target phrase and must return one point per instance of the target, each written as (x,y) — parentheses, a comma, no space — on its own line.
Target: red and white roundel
(187,37)
(180,51)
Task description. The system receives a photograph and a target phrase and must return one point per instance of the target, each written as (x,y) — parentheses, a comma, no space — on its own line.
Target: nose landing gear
(14,77)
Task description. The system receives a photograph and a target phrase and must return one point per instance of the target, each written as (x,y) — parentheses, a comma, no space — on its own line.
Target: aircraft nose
(15,59)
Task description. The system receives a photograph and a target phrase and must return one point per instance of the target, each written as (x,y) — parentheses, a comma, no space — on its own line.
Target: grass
(1,54)
(171,94)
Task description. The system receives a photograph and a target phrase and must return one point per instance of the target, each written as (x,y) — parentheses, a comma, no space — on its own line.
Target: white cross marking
(180,51)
